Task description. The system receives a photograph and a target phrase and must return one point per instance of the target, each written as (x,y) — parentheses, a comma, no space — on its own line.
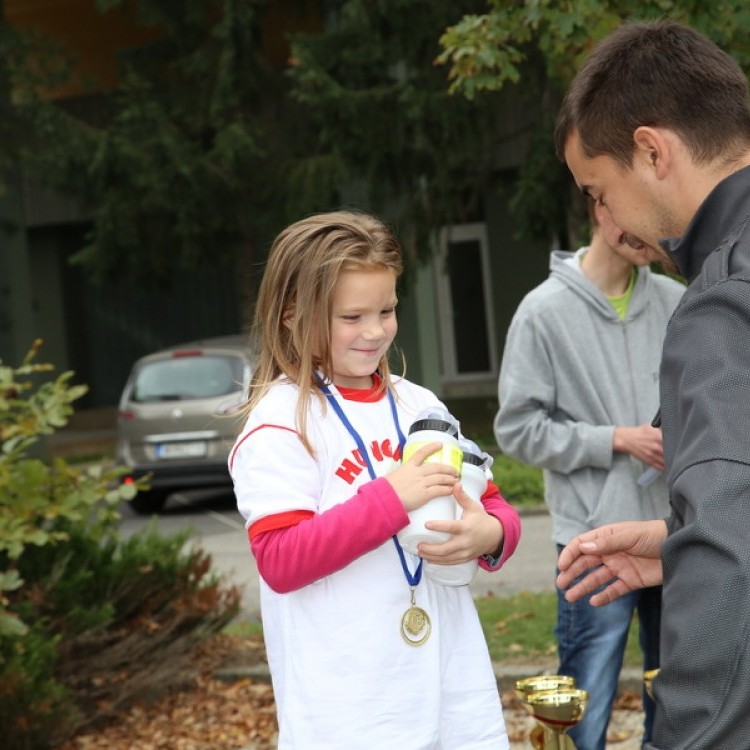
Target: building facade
(453,315)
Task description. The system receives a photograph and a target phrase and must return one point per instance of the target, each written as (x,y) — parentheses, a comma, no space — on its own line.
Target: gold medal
(415,624)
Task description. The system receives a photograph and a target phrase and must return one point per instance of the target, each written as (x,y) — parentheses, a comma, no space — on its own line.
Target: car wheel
(149,501)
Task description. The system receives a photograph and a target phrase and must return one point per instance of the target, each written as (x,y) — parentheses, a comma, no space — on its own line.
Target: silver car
(178,416)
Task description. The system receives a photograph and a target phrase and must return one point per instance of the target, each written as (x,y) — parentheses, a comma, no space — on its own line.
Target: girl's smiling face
(363,324)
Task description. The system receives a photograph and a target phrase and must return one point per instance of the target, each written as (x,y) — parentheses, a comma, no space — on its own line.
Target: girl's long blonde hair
(292,322)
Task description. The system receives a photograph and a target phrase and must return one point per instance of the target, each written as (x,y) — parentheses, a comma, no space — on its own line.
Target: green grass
(521,628)
(518,628)
(520,484)
(244,628)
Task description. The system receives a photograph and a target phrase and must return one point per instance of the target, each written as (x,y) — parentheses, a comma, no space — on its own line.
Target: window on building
(464,293)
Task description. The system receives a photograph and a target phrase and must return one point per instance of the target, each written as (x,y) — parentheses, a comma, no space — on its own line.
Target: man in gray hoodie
(578,389)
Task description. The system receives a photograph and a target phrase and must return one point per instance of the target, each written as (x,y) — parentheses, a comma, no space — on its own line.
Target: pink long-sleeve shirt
(296,548)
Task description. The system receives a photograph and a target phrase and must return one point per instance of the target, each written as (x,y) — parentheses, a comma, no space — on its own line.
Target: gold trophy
(556,704)
(648,681)
(534,684)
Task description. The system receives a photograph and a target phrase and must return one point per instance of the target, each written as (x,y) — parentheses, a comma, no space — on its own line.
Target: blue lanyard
(412,578)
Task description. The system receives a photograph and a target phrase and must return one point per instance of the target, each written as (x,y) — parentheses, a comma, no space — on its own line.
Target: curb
(631,678)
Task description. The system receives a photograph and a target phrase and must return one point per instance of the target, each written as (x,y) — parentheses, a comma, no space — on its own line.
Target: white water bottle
(432,425)
(474,470)
(474,481)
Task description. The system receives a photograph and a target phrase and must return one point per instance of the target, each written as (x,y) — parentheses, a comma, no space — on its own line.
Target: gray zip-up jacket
(571,372)
(703,689)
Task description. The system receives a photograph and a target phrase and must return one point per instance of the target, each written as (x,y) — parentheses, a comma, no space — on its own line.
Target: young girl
(364,650)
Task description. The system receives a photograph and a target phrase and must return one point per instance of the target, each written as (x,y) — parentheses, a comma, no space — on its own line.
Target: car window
(182,378)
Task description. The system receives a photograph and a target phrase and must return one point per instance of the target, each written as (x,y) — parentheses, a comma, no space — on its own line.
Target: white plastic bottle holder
(432,425)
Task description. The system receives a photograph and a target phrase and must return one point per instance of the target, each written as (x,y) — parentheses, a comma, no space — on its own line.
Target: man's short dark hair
(661,74)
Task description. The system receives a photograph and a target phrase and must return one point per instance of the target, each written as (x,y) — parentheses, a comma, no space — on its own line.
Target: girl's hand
(476,534)
(417,482)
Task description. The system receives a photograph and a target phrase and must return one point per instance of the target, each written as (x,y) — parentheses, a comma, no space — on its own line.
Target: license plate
(181,450)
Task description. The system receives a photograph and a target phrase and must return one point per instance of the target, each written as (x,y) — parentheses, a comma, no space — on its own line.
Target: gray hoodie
(571,372)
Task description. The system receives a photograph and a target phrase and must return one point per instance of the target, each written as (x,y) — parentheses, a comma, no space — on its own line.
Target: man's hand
(626,555)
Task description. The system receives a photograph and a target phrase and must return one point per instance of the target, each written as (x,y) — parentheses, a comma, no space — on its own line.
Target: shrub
(39,501)
(32,700)
(88,621)
(123,615)
(519,484)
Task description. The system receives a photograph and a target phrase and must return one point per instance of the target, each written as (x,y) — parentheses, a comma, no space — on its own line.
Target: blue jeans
(591,644)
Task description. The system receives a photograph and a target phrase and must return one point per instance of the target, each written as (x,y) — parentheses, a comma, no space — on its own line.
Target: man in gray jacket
(656,128)
(578,389)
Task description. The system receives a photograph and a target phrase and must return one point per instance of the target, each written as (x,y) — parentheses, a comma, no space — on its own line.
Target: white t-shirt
(343,677)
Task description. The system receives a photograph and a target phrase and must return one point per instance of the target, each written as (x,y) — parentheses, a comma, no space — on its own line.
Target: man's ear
(655,148)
